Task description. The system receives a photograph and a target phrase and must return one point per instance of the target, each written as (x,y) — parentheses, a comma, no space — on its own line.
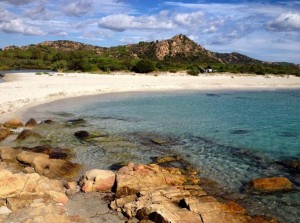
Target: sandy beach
(21,90)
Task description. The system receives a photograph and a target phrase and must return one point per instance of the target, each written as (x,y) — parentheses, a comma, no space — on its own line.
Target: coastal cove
(231,129)
(231,137)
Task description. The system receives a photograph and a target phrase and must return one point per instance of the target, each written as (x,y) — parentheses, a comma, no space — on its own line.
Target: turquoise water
(232,137)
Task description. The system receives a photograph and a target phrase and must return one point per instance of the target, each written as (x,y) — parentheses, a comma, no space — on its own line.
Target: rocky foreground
(41,184)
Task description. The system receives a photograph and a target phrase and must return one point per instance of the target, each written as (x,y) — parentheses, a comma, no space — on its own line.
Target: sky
(266,30)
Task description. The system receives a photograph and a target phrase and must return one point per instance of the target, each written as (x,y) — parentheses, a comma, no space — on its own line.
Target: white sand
(28,89)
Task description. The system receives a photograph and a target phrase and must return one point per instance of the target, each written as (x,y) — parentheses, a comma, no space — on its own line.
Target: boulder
(28,157)
(31,123)
(8,154)
(13,123)
(4,133)
(26,134)
(55,168)
(145,177)
(97,180)
(271,184)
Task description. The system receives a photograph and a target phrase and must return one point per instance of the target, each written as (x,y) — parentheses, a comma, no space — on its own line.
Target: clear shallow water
(232,137)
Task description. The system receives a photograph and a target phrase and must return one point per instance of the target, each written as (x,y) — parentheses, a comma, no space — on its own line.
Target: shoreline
(226,199)
(25,90)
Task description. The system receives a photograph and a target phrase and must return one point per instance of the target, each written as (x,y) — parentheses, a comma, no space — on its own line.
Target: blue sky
(266,30)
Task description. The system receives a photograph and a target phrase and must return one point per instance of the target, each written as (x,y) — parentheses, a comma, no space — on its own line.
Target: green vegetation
(139,58)
(143,66)
(194,71)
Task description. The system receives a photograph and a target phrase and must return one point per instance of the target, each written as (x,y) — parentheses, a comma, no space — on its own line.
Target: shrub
(194,71)
(144,66)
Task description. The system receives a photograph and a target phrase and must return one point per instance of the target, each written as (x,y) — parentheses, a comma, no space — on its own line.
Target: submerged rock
(13,123)
(97,180)
(4,133)
(48,121)
(81,134)
(26,134)
(31,123)
(271,184)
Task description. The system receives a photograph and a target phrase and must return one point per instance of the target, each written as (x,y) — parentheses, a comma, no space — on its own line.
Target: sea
(231,137)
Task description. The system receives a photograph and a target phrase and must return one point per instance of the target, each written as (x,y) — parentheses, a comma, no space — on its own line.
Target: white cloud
(285,22)
(58,33)
(189,19)
(5,15)
(17,26)
(79,8)
(40,13)
(122,22)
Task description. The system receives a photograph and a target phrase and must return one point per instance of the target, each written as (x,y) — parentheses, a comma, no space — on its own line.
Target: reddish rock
(145,178)
(31,123)
(4,133)
(13,123)
(271,184)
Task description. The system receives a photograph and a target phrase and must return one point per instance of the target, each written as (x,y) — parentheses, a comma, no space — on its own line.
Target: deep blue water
(232,137)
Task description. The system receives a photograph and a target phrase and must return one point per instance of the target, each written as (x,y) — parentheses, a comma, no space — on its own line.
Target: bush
(144,66)
(194,71)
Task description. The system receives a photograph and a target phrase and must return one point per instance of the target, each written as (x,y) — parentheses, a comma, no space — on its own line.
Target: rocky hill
(175,54)
(178,47)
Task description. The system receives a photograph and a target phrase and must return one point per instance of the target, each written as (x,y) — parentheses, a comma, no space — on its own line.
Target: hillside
(177,53)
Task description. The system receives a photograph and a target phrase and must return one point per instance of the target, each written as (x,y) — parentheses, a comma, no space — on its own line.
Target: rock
(271,184)
(295,165)
(45,213)
(48,121)
(4,210)
(167,212)
(97,180)
(26,134)
(72,188)
(28,170)
(28,157)
(15,204)
(8,154)
(78,121)
(4,133)
(55,168)
(58,197)
(13,124)
(145,177)
(40,149)
(81,134)
(10,185)
(166,159)
(31,123)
